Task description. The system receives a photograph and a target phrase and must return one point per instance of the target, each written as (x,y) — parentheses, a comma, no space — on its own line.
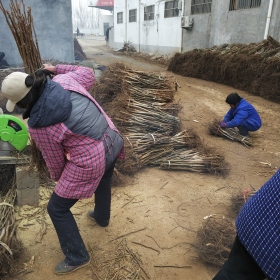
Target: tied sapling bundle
(21,25)
(229,133)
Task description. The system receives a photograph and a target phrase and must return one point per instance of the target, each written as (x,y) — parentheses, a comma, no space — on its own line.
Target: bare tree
(84,16)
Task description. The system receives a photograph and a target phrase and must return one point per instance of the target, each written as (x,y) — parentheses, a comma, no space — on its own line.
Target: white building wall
(119,28)
(158,36)
(133,27)
(224,26)
(165,35)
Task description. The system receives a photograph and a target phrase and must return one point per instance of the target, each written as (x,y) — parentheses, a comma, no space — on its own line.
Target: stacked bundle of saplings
(250,67)
(142,106)
(21,25)
(10,246)
(183,151)
(230,133)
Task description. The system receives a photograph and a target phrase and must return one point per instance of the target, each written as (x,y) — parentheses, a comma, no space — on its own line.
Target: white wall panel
(158,36)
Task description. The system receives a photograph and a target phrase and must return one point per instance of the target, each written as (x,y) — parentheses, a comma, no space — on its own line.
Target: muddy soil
(159,212)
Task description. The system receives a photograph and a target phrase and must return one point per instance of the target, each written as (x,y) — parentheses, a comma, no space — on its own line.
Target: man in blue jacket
(242,115)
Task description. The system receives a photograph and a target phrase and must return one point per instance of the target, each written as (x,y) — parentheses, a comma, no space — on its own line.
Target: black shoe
(90,215)
(247,136)
(64,268)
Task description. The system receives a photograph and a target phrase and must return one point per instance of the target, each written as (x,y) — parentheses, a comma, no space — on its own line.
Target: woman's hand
(223,124)
(49,67)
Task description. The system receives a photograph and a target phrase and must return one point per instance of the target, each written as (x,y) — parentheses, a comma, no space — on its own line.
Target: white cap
(14,88)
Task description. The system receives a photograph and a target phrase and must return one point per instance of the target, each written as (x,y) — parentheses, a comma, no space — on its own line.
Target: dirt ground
(159,212)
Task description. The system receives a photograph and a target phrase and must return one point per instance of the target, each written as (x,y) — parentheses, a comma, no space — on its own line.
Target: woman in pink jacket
(79,143)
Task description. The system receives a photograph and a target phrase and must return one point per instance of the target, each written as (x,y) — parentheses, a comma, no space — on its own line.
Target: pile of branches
(195,161)
(269,48)
(10,246)
(183,151)
(229,133)
(253,68)
(143,117)
(119,263)
(216,237)
(119,91)
(127,47)
(129,50)
(21,25)
(141,105)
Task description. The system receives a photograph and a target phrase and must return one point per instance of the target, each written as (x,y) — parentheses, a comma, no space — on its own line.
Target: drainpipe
(182,29)
(268,19)
(139,29)
(126,19)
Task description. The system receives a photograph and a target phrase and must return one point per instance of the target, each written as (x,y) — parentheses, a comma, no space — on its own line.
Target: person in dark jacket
(79,143)
(242,115)
(3,62)
(256,250)
(107,35)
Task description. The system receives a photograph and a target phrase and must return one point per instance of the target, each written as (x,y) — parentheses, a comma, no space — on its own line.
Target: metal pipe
(268,19)
(182,14)
(126,19)
(139,26)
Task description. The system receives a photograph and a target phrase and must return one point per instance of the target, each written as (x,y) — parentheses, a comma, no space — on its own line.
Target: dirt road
(160,212)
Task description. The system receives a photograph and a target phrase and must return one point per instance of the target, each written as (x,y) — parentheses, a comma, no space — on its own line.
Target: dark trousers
(70,240)
(240,265)
(243,130)
(102,196)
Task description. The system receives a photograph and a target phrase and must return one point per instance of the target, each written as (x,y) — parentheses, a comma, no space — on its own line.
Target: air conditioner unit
(186,22)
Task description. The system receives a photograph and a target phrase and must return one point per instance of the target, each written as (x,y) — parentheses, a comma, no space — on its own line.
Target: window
(149,12)
(243,4)
(132,15)
(171,9)
(120,17)
(201,6)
